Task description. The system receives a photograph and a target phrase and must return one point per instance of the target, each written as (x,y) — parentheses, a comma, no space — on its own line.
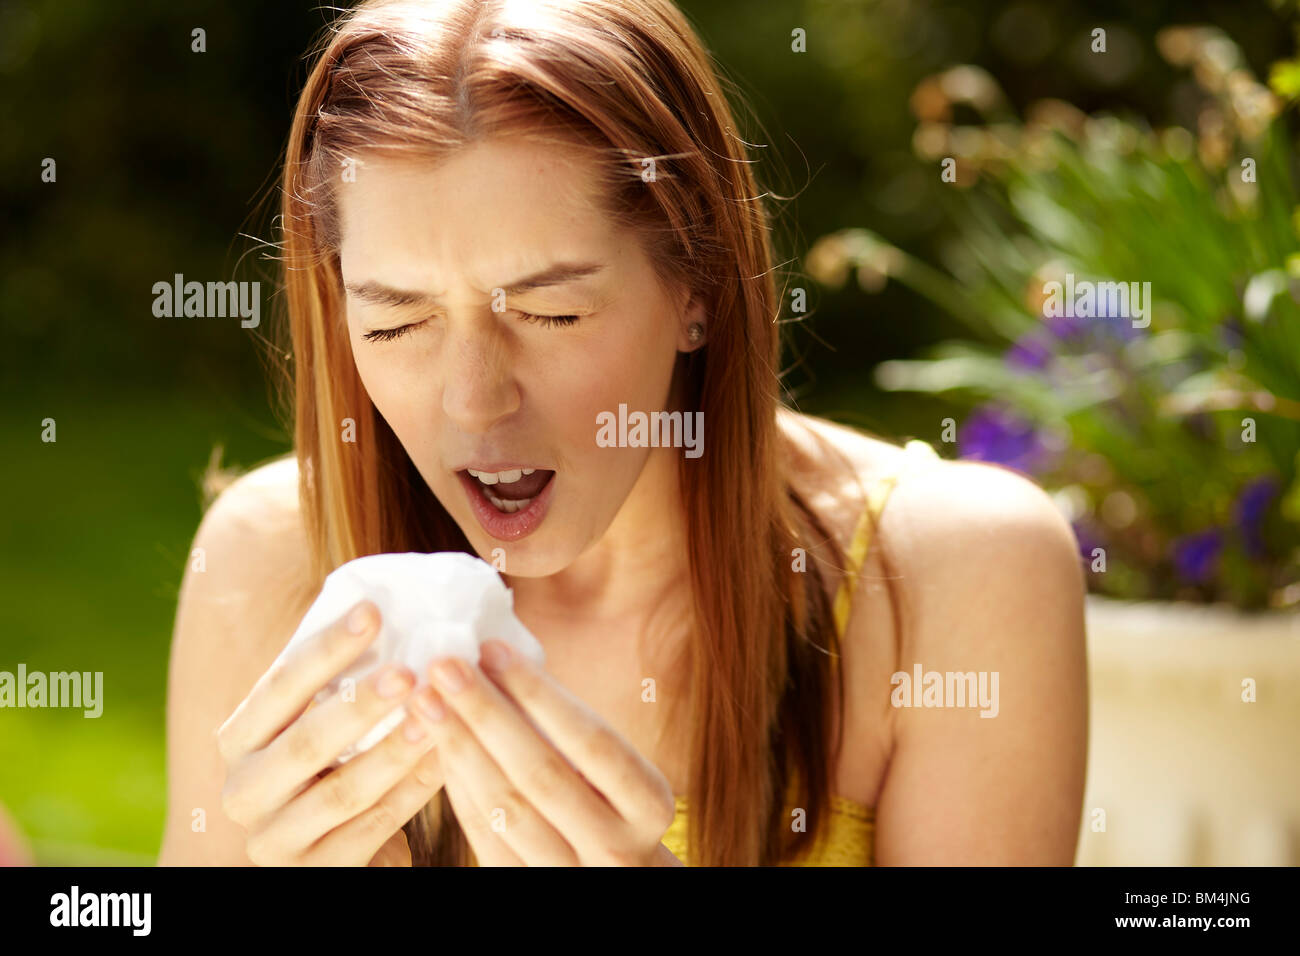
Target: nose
(479,387)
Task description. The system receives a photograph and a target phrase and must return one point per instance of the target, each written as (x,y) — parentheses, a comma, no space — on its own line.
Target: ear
(693,313)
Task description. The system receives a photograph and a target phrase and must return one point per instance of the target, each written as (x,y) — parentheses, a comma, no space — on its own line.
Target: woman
(507,225)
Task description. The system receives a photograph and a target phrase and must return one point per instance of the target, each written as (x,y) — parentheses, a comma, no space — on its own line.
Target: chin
(538,556)
(548,544)
(541,564)
(540,553)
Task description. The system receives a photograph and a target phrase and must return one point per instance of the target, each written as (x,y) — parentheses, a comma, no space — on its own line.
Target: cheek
(393,385)
(631,363)
(371,372)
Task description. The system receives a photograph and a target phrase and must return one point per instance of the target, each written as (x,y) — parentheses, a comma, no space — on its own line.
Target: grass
(94,551)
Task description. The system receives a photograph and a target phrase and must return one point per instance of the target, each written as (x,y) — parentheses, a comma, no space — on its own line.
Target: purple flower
(1029,352)
(1095,332)
(1111,324)
(995,435)
(1121,331)
(1249,509)
(1067,328)
(1086,539)
(1196,555)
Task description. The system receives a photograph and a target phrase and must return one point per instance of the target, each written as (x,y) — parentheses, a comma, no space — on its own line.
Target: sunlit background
(926,319)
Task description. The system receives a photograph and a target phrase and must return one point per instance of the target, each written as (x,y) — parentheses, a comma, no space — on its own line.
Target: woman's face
(469,258)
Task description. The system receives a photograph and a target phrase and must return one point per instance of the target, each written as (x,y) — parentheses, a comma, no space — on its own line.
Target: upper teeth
(492,477)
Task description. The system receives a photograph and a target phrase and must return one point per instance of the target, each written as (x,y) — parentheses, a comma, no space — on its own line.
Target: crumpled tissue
(432,605)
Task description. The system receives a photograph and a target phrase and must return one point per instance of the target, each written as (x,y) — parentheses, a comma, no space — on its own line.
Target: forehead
(497,208)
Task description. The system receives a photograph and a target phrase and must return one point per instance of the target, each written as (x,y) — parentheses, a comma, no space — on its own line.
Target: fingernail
(448,673)
(495,655)
(359,619)
(428,702)
(392,683)
(413,730)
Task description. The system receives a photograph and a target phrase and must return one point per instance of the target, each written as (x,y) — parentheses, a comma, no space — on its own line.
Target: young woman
(504,224)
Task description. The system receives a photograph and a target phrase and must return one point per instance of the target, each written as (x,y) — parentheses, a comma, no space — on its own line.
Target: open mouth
(511,491)
(511,503)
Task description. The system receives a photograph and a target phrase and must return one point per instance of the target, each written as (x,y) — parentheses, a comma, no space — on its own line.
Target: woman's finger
(285,690)
(489,849)
(360,783)
(396,852)
(274,775)
(534,768)
(494,801)
(363,835)
(636,789)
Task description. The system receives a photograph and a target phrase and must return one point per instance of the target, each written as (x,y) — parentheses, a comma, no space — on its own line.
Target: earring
(695,332)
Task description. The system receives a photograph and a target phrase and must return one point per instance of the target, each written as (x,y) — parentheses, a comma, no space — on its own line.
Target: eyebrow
(558,274)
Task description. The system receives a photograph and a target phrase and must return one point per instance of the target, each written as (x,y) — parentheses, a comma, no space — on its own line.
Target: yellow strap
(857,553)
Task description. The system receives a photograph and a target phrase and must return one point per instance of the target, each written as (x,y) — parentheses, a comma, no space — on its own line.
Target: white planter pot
(1181,769)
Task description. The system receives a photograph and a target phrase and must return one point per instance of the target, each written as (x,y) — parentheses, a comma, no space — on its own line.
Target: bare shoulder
(267,492)
(951,528)
(832,466)
(974,498)
(252,536)
(966,535)
(249,564)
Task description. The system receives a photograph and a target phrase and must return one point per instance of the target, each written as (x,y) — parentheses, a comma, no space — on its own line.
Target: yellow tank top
(848,836)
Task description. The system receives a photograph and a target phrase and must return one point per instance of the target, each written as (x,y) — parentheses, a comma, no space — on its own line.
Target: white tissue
(432,605)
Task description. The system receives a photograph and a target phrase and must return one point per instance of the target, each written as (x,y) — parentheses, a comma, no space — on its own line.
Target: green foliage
(94,556)
(1174,446)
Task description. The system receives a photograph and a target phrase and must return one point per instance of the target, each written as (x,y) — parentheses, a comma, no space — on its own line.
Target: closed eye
(387,335)
(549,320)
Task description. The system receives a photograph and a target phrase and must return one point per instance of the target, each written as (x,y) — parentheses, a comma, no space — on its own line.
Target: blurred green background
(165,160)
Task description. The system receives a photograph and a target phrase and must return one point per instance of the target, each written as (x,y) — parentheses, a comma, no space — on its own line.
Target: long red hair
(626,81)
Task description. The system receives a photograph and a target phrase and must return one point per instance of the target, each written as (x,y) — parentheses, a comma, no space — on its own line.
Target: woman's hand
(517,796)
(276,748)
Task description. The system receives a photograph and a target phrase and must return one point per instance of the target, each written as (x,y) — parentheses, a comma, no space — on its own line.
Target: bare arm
(994,586)
(231,620)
